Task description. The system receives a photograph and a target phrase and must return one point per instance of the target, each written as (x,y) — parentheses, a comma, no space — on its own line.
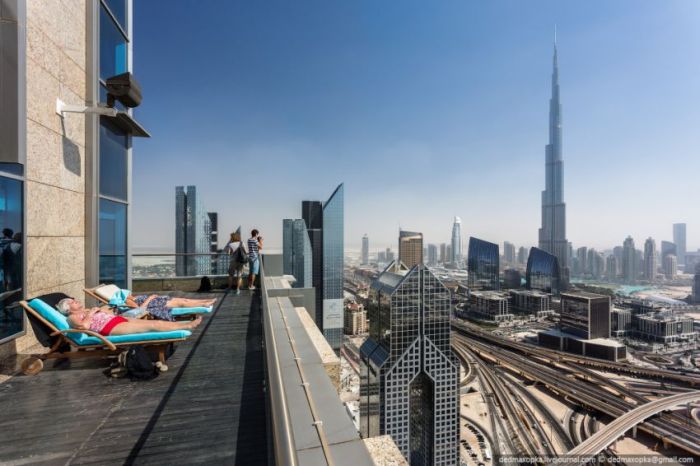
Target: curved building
(482,264)
(542,272)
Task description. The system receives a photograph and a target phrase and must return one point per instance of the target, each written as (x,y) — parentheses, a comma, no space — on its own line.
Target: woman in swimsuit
(105,323)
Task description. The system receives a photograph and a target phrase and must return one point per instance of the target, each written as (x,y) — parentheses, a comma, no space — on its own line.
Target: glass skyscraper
(312,214)
(365,250)
(552,234)
(679,240)
(483,265)
(333,267)
(542,272)
(408,373)
(192,233)
(456,241)
(296,252)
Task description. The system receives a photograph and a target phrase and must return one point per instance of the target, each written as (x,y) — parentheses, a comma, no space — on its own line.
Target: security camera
(124,88)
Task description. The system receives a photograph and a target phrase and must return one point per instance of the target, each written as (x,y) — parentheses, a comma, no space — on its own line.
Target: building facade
(297,257)
(432,255)
(409,375)
(664,327)
(508,252)
(364,259)
(670,266)
(650,263)
(410,248)
(483,265)
(542,272)
(586,315)
(629,261)
(456,241)
(53,167)
(192,233)
(552,233)
(696,284)
(679,240)
(492,305)
(333,267)
(312,214)
(531,302)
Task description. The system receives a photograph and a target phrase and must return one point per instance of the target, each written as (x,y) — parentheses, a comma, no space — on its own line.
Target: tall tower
(650,264)
(679,241)
(456,241)
(365,249)
(410,248)
(552,234)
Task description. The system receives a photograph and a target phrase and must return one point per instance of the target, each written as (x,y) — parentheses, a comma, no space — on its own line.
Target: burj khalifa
(552,234)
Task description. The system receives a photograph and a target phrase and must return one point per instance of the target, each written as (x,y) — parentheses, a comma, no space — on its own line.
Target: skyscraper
(508,252)
(650,264)
(365,250)
(192,233)
(456,241)
(333,267)
(312,214)
(611,267)
(432,254)
(696,284)
(409,375)
(542,272)
(410,248)
(629,261)
(522,255)
(552,234)
(443,253)
(483,265)
(679,240)
(670,266)
(668,247)
(297,258)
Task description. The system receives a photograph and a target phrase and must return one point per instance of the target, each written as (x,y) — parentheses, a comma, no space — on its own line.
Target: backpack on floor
(138,363)
(204,285)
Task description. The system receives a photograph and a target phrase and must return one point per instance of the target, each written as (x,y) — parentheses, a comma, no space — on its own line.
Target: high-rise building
(552,234)
(389,255)
(483,265)
(333,267)
(409,376)
(432,255)
(667,248)
(192,240)
(508,252)
(582,261)
(216,260)
(381,257)
(679,241)
(543,272)
(443,253)
(456,241)
(410,248)
(297,258)
(365,250)
(696,284)
(312,214)
(629,261)
(586,315)
(670,266)
(522,255)
(611,267)
(448,253)
(650,265)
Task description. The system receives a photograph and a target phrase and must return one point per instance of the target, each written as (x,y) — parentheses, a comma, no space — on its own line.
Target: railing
(172,265)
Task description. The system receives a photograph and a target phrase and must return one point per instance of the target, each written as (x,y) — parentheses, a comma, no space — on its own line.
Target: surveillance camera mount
(62,107)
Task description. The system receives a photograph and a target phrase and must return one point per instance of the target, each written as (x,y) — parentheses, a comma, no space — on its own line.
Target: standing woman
(237,260)
(255,244)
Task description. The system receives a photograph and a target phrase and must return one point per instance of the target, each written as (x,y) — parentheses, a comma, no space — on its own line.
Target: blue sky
(425,110)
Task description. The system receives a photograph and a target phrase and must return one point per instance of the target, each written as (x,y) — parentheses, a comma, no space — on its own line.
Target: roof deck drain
(318,423)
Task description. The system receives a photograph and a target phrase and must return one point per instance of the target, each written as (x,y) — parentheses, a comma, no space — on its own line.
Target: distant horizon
(424,113)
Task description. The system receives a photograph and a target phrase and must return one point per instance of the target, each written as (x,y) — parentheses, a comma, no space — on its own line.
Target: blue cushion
(136,337)
(180,311)
(50,313)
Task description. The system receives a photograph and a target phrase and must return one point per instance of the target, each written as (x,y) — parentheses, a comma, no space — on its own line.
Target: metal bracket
(62,107)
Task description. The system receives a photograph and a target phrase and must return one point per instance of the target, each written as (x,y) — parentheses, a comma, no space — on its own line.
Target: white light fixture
(62,107)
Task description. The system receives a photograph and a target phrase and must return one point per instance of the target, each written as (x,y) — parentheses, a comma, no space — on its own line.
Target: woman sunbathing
(159,307)
(106,323)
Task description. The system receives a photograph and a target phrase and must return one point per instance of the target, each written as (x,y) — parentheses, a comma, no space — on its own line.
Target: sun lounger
(104,293)
(52,331)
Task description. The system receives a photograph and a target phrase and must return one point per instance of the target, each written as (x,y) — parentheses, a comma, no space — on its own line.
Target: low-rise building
(620,322)
(599,348)
(533,302)
(492,305)
(584,314)
(664,326)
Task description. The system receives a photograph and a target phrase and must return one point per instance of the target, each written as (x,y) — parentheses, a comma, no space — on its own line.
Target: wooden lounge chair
(104,292)
(52,331)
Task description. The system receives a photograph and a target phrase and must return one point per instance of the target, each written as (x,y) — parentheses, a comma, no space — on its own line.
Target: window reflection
(113,48)
(11,257)
(113,161)
(118,9)
(113,243)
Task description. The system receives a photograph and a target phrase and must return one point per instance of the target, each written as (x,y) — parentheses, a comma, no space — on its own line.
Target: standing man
(255,244)
(237,259)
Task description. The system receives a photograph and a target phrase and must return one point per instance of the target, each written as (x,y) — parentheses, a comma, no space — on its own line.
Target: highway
(617,428)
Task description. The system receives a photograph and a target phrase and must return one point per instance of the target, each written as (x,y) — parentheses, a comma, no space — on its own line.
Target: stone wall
(55,163)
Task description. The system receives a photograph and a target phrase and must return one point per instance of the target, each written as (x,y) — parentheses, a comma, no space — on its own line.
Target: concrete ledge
(384,451)
(330,361)
(186,284)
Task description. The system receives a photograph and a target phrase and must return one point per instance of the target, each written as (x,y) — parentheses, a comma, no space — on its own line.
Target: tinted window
(11,257)
(113,161)
(118,9)
(112,242)
(113,48)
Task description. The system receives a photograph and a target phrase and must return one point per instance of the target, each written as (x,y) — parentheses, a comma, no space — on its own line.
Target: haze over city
(422,121)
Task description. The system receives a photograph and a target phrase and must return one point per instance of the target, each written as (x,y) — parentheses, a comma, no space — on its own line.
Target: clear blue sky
(425,110)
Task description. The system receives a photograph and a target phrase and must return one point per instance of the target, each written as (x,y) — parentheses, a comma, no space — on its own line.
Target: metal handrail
(284,445)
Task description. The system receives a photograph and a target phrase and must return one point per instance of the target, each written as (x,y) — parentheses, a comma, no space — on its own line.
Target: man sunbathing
(106,323)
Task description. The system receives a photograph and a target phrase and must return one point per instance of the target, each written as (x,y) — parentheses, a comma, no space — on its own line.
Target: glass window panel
(11,257)
(113,47)
(112,242)
(113,161)
(118,9)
